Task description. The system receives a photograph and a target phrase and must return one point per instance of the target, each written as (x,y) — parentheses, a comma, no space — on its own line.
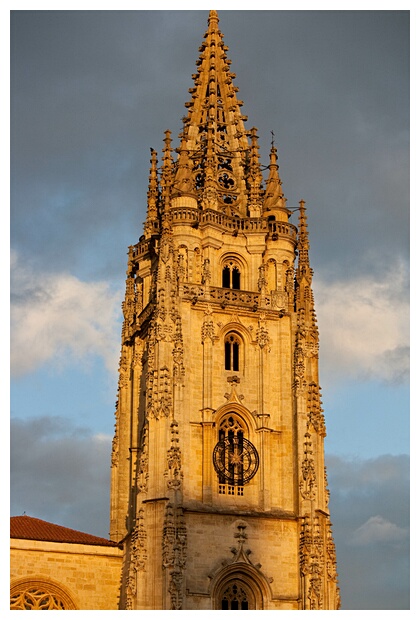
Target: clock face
(235,460)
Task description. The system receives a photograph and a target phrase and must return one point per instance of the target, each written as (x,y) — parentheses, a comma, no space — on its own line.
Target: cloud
(378,530)
(60,473)
(57,318)
(370,511)
(364,323)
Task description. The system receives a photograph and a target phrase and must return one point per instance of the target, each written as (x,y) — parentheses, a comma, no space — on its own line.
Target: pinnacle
(274,196)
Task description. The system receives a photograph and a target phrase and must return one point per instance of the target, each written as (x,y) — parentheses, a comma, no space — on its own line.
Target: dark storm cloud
(93,90)
(370,508)
(60,473)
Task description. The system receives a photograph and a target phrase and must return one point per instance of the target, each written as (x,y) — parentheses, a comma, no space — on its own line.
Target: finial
(255,177)
(274,196)
(213,15)
(152,195)
(303,242)
(183,182)
(167,169)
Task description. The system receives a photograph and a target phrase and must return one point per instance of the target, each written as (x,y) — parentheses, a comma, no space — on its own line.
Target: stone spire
(304,294)
(303,270)
(152,196)
(274,196)
(255,177)
(184,180)
(214,131)
(167,171)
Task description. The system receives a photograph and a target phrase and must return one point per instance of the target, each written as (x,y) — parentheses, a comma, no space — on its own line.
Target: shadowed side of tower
(218,483)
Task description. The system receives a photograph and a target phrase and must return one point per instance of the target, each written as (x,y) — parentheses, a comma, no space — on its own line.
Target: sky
(90,92)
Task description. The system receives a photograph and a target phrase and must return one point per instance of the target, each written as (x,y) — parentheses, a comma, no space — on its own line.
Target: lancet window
(232,344)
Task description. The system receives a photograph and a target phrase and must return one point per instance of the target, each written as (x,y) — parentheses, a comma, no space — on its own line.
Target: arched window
(231,441)
(235,459)
(232,352)
(271,275)
(231,275)
(237,595)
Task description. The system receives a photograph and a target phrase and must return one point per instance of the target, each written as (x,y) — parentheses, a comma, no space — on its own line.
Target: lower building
(54,567)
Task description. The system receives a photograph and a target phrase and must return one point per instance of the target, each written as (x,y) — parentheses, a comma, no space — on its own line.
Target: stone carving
(315,416)
(124,370)
(262,336)
(209,198)
(138,559)
(262,280)
(317,560)
(173,472)
(206,271)
(327,491)
(115,439)
(138,353)
(143,462)
(159,393)
(279,300)
(115,445)
(239,552)
(299,362)
(308,483)
(161,306)
(178,350)
(207,329)
(181,269)
(311,563)
(174,552)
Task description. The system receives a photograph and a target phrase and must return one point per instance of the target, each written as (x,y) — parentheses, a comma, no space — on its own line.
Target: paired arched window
(231,275)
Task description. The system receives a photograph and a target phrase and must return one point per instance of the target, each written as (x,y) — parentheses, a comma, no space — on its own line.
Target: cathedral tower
(218,480)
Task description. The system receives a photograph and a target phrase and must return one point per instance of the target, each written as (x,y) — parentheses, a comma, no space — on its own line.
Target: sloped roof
(30,528)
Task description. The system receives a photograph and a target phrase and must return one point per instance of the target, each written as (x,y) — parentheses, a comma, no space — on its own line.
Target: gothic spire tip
(213,15)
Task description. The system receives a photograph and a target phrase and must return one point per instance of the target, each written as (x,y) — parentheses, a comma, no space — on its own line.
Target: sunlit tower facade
(218,481)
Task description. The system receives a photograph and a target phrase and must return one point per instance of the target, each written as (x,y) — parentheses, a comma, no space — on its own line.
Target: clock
(235,460)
